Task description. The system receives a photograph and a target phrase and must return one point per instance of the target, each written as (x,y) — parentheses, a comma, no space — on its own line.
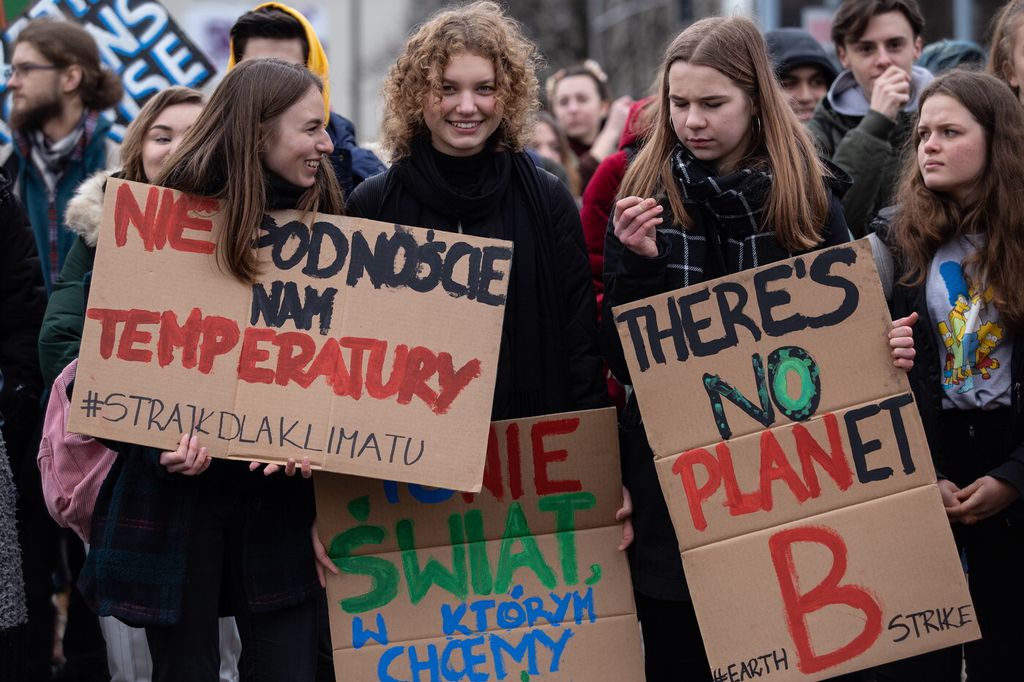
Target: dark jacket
(22,301)
(654,555)
(352,164)
(867,145)
(141,527)
(569,335)
(1006,464)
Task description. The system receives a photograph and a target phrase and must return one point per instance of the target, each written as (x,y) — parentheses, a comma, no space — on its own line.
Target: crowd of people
(748,148)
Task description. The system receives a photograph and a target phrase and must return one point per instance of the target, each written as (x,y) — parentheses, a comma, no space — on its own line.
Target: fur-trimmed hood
(85,210)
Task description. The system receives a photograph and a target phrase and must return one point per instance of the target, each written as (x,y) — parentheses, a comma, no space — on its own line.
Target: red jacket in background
(599,195)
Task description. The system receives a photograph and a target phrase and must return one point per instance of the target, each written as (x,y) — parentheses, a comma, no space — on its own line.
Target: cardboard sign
(368,347)
(138,40)
(520,582)
(796,470)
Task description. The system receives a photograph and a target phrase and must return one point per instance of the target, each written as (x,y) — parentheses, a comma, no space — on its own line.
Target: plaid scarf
(727,211)
(50,160)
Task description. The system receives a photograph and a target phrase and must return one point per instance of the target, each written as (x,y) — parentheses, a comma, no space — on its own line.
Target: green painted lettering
(516,529)
(565,506)
(420,580)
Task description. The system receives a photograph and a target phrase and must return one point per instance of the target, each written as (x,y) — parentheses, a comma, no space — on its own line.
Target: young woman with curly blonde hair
(459,108)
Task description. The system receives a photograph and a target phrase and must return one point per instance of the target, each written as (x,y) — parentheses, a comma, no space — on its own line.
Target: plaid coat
(135,569)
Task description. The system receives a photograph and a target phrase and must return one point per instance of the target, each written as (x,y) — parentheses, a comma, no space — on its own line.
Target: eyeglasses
(26,68)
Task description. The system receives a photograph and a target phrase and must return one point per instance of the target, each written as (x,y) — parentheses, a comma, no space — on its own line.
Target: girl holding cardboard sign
(459,105)
(727,180)
(178,538)
(958,235)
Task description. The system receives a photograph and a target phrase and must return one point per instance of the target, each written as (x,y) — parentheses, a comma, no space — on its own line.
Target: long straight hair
(221,155)
(927,219)
(797,202)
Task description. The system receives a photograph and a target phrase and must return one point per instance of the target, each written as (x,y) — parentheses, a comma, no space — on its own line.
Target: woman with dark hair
(459,108)
(172,549)
(958,237)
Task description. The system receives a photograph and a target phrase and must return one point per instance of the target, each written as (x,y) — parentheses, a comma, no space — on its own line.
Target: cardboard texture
(138,40)
(796,470)
(521,581)
(898,594)
(351,348)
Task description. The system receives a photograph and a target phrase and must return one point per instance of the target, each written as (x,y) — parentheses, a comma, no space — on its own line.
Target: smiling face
(888,41)
(164,135)
(805,85)
(953,148)
(298,141)
(578,106)
(467,112)
(710,114)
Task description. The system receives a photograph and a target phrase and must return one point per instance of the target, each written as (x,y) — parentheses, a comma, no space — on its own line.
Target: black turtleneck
(464,173)
(282,194)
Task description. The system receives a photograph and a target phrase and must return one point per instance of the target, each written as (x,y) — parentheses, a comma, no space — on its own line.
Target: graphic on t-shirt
(969,341)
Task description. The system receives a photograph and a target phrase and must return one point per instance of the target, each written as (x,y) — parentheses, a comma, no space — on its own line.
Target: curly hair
(480,28)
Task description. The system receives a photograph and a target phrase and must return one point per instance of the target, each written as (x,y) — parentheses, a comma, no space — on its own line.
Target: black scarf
(282,194)
(446,184)
(729,214)
(498,194)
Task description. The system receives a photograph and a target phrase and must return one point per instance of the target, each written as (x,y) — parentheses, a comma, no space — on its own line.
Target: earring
(755,125)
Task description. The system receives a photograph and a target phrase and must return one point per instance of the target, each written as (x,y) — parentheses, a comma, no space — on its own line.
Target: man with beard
(59,139)
(58,91)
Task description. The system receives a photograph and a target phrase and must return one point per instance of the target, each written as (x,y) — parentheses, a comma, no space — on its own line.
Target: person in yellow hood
(279,31)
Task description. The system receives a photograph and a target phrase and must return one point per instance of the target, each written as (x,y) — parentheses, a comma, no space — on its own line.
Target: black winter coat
(654,555)
(22,302)
(559,277)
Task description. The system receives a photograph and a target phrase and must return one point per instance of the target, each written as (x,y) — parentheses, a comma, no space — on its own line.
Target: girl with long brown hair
(958,238)
(727,180)
(179,539)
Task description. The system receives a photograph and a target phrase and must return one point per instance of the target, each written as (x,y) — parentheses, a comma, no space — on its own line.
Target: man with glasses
(58,90)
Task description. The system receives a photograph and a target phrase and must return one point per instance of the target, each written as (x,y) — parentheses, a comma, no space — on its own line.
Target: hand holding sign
(901,342)
(189,459)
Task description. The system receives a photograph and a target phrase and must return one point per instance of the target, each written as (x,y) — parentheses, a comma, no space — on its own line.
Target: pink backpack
(73,467)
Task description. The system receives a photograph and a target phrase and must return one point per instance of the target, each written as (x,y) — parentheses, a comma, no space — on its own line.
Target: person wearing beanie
(276,30)
(804,69)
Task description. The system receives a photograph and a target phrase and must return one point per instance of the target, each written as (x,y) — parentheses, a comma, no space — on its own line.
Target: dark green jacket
(870,149)
(61,334)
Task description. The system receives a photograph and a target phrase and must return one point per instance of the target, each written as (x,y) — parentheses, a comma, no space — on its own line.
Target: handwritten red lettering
(798,605)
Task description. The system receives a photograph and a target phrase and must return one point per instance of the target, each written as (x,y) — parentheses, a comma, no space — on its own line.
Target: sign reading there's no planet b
(369,348)
(796,471)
